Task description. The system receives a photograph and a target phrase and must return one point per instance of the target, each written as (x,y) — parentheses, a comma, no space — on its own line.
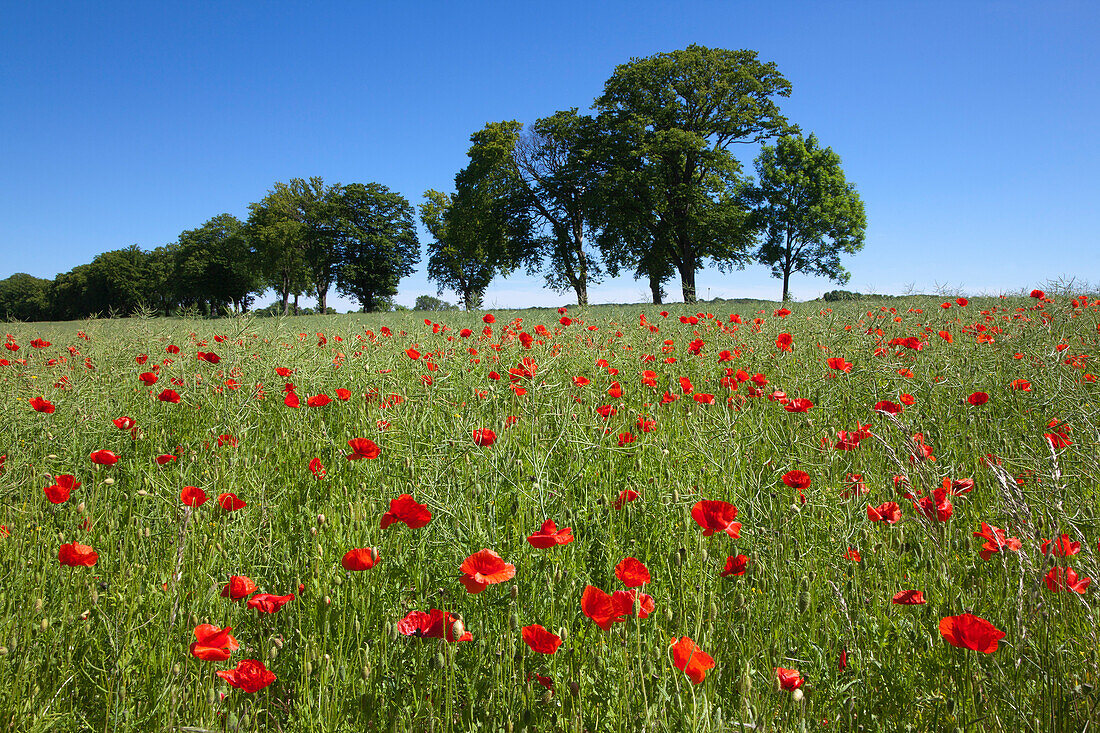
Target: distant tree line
(649,184)
(302,238)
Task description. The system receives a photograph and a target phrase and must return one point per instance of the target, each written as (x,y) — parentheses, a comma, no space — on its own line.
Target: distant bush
(834,295)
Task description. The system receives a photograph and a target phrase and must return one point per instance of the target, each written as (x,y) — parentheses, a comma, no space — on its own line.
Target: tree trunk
(286,296)
(322,300)
(786,279)
(296,304)
(368,303)
(687,281)
(582,293)
(655,289)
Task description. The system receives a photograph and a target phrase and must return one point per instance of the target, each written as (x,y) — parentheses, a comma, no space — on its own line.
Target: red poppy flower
(789,679)
(889,407)
(362,558)
(838,363)
(41,404)
(549,536)
(735,565)
(193,496)
(601,608)
(489,318)
(434,625)
(909,598)
(484,568)
(268,603)
(58,493)
(1058,440)
(996,540)
(686,386)
(319,400)
(213,644)
(540,640)
(615,391)
(632,572)
(703,398)
(1020,385)
(104,458)
(1065,579)
(407,510)
(1039,294)
(968,631)
(250,676)
(75,554)
(230,502)
(936,507)
(484,437)
(907,399)
(148,378)
(363,448)
(716,516)
(629,600)
(1061,547)
(165,458)
(978,398)
(317,469)
(238,587)
(625,496)
(889,512)
(798,404)
(292,400)
(853,555)
(797,479)
(690,659)
(169,395)
(783,341)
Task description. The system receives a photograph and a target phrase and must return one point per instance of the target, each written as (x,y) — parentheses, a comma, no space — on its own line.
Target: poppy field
(880,515)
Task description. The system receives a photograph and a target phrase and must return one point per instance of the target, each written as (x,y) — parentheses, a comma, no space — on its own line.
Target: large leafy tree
(277,232)
(375,234)
(670,120)
(555,163)
(214,266)
(805,210)
(23,297)
(485,228)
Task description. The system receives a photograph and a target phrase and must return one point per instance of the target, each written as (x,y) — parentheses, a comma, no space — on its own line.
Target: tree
(806,211)
(554,163)
(671,119)
(277,234)
(214,265)
(376,242)
(23,298)
(431,303)
(485,228)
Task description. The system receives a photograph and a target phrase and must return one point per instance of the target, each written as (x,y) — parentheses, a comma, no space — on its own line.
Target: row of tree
(648,184)
(304,237)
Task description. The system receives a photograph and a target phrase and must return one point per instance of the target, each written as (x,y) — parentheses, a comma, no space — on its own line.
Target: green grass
(105,648)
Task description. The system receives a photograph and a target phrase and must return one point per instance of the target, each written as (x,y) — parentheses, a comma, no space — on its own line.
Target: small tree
(806,211)
(431,303)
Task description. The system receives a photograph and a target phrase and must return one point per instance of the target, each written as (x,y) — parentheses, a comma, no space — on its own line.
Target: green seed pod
(514,591)
(713,610)
(440,661)
(513,621)
(705,554)
(308,669)
(804,601)
(744,684)
(563,632)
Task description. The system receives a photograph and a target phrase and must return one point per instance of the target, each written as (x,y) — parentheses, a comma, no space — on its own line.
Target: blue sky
(968,128)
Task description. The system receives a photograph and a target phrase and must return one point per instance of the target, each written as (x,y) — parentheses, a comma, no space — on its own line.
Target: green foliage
(556,164)
(23,297)
(375,234)
(431,303)
(669,121)
(833,296)
(485,228)
(805,209)
(214,266)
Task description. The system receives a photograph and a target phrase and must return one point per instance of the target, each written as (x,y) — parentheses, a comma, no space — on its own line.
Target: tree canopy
(805,210)
(670,120)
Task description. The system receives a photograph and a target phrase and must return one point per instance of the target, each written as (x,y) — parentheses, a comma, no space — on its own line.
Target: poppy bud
(109,481)
(514,591)
(45,624)
(313,531)
(3,651)
(557,575)
(563,633)
(38,602)
(439,660)
(675,496)
(744,685)
(804,601)
(513,621)
(308,669)
(320,520)
(273,652)
(797,695)
(574,688)
(458,628)
(705,554)
(683,555)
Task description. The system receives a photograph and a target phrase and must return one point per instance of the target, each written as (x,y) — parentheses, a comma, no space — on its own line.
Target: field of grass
(109,646)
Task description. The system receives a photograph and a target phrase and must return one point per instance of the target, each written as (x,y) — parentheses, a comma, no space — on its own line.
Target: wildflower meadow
(879,515)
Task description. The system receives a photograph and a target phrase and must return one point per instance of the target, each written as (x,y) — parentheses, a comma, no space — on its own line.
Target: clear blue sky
(970,129)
